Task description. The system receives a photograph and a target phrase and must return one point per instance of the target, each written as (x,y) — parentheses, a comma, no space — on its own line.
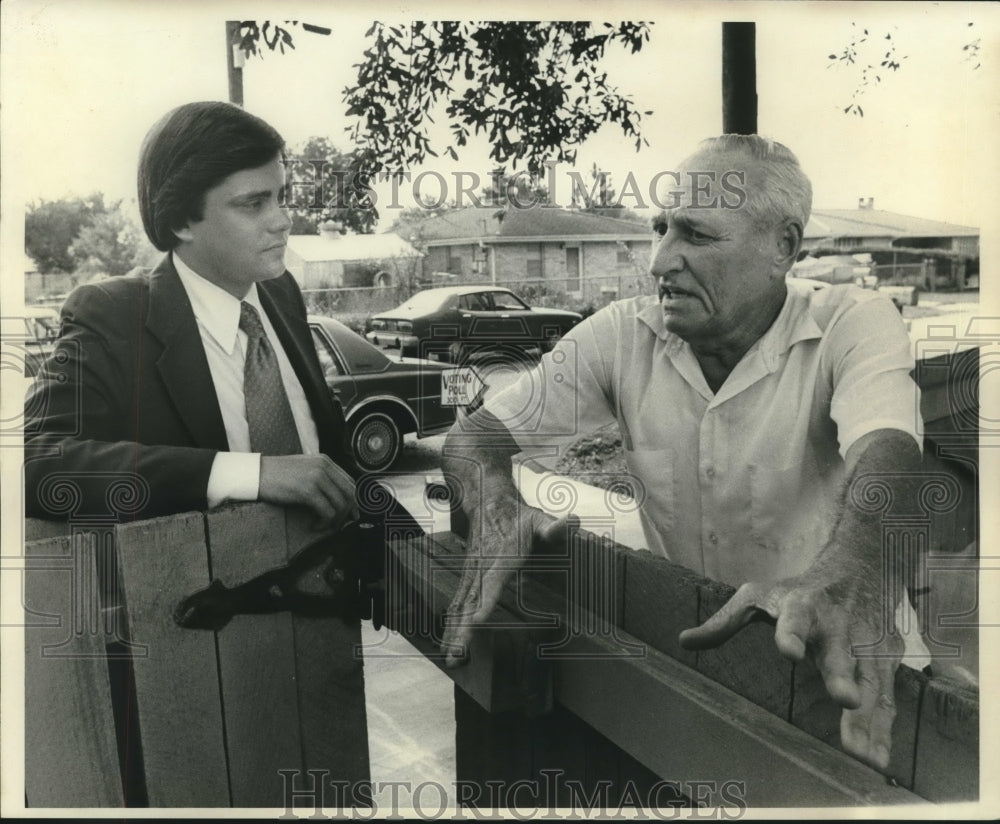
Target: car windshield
(426,302)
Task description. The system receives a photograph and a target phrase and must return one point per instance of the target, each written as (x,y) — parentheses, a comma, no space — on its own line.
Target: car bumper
(392,340)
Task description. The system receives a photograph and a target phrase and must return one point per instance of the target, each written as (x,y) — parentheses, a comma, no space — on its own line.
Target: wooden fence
(123,705)
(595,687)
(581,679)
(579,688)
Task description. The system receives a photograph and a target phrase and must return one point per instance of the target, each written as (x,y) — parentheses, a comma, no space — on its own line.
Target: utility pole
(234,64)
(739,78)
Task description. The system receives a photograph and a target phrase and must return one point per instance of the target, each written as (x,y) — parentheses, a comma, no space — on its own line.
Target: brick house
(577,253)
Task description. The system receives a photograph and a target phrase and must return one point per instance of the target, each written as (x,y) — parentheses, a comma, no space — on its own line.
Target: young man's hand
(313,481)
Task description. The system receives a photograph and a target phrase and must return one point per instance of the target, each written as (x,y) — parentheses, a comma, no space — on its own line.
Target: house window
(573,269)
(479,259)
(533,261)
(624,257)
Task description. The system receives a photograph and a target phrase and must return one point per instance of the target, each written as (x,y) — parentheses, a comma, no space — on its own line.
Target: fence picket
(177,678)
(71,755)
(947,764)
(256,659)
(330,681)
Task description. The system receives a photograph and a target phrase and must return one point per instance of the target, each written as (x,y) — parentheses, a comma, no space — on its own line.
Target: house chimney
(866,203)
(330,229)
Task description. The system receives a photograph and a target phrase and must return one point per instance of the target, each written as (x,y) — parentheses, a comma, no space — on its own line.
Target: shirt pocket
(653,476)
(775,494)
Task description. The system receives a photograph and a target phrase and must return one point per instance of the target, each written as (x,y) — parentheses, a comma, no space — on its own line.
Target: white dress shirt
(235,475)
(739,484)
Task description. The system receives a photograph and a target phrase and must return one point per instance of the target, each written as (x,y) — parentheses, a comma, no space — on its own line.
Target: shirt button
(713,537)
(710,472)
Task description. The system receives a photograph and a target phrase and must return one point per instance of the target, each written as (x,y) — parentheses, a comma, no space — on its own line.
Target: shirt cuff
(235,476)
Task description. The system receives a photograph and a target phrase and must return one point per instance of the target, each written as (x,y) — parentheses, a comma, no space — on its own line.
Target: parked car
(382,398)
(465,323)
(814,284)
(41,328)
(837,269)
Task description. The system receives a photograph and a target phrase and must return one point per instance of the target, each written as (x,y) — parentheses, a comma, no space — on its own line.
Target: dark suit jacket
(123,420)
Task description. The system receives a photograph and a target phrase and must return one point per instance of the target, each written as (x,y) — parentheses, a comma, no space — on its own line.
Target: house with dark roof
(573,252)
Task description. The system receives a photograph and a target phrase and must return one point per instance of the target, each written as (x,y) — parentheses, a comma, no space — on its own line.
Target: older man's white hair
(783,193)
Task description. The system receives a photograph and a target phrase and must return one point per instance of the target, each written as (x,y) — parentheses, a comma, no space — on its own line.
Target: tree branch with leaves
(535,90)
(864,50)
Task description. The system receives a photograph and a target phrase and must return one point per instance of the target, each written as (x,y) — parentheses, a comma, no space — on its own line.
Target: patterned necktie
(269,415)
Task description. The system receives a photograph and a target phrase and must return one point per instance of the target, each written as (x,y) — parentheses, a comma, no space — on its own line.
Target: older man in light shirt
(747,406)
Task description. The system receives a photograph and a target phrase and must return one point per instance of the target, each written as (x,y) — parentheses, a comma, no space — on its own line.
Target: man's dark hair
(189,151)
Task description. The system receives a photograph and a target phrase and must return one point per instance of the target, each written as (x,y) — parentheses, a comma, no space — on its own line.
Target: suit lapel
(183,366)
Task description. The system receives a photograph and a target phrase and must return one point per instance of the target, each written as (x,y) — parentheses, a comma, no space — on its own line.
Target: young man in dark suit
(196,384)
(142,408)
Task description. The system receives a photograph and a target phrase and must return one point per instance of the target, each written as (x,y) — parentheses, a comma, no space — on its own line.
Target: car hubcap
(375,444)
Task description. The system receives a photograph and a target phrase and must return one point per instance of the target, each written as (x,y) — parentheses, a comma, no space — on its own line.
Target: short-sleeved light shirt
(740,484)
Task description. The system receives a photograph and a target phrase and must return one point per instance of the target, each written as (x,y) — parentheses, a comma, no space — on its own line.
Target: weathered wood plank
(330,680)
(71,755)
(750,664)
(639,782)
(502,671)
(558,758)
(162,561)
(38,529)
(661,599)
(684,726)
(256,659)
(947,762)
(602,759)
(966,528)
(492,753)
(815,712)
(597,582)
(812,708)
(908,694)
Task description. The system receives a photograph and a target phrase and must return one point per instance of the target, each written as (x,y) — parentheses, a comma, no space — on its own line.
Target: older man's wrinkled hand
(501,538)
(843,622)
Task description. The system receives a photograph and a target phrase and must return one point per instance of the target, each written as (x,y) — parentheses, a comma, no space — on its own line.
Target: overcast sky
(82,81)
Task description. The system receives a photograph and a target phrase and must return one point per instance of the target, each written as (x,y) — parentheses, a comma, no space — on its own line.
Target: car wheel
(376,442)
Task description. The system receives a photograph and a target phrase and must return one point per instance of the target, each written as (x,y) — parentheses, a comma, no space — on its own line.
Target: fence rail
(612,692)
